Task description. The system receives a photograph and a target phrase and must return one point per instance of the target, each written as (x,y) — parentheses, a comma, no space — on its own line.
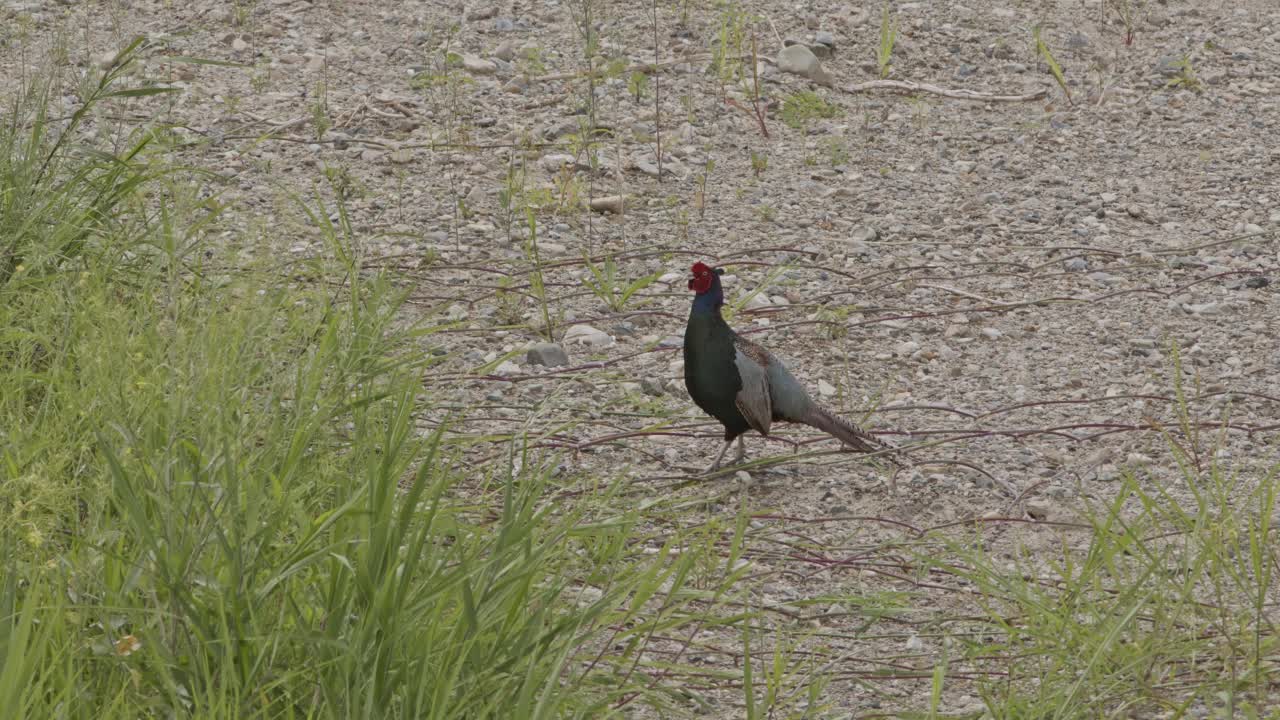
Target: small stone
(507,368)
(239,45)
(516,85)
(482,13)
(652,386)
(1170,66)
(555,162)
(826,389)
(965,167)
(587,335)
(478,65)
(403,156)
(1075,264)
(863,234)
(800,60)
(915,644)
(1256,282)
(548,354)
(608,203)
(1040,510)
(906,347)
(505,51)
(822,37)
(744,479)
(1209,308)
(991,333)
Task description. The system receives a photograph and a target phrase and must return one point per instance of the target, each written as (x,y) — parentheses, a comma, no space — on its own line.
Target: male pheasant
(743,385)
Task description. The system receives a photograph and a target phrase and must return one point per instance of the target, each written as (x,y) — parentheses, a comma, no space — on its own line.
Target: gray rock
(587,335)
(1076,264)
(503,24)
(1169,66)
(800,60)
(608,203)
(505,51)
(822,37)
(863,234)
(478,65)
(652,386)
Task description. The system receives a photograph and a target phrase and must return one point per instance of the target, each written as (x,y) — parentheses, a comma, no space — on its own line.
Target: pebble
(548,354)
(862,234)
(587,335)
(1209,308)
(800,60)
(826,389)
(609,204)
(652,386)
(1040,510)
(478,65)
(507,368)
(1075,264)
(991,333)
(505,51)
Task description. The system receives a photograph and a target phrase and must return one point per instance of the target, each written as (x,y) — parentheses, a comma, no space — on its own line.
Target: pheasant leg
(742,450)
(716,465)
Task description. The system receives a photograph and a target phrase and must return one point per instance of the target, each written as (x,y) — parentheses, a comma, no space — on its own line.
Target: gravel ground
(1004,280)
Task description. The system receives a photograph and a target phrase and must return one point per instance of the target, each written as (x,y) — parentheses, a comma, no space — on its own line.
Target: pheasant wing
(753,400)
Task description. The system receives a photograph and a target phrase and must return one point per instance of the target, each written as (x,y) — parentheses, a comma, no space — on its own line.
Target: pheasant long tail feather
(848,433)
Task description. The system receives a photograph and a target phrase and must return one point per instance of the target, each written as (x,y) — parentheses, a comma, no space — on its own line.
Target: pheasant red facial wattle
(702,277)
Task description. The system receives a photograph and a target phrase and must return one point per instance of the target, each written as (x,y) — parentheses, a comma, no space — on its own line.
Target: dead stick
(915,87)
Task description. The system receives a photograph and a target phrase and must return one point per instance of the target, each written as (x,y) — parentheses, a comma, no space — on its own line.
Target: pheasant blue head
(706,283)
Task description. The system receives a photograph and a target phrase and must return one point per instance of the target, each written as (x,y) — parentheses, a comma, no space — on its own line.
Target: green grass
(217,498)
(805,106)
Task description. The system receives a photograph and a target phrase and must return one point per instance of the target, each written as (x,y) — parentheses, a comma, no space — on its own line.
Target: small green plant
(531,62)
(1042,48)
(700,199)
(837,151)
(801,108)
(759,163)
(320,110)
(888,36)
(536,282)
(1128,11)
(261,78)
(608,284)
(767,213)
(1186,77)
(638,85)
(834,320)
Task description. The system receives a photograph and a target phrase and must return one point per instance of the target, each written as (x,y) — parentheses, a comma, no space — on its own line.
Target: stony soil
(1002,280)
